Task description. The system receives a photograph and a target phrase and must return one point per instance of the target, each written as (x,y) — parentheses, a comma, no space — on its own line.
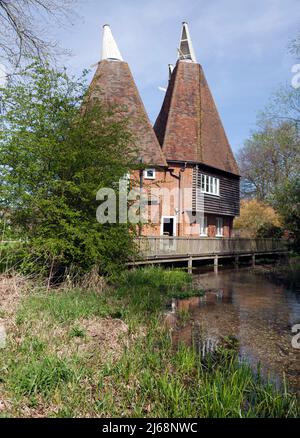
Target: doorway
(168,226)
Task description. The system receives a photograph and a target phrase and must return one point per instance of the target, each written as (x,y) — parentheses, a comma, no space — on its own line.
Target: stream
(259,313)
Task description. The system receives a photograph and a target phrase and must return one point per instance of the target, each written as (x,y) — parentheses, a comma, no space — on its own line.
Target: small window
(219,230)
(149,174)
(203,226)
(210,185)
(203,183)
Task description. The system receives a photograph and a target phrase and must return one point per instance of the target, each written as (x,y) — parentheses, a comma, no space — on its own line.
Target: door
(168,229)
(168,226)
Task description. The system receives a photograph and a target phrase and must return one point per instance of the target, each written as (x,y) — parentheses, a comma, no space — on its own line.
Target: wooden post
(253,260)
(216,264)
(236,262)
(190,265)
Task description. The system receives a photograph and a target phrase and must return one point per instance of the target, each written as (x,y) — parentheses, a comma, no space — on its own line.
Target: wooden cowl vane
(114,86)
(189,127)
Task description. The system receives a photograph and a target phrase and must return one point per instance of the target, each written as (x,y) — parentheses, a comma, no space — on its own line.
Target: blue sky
(241,44)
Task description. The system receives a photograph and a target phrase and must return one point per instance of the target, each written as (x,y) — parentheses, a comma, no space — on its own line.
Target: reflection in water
(257,312)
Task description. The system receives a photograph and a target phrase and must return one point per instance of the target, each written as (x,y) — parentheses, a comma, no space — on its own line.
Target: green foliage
(269,157)
(56,151)
(40,375)
(11,256)
(169,383)
(269,231)
(150,289)
(151,378)
(62,307)
(77,332)
(287,201)
(257,219)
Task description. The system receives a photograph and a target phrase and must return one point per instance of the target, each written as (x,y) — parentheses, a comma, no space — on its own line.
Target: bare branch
(22,23)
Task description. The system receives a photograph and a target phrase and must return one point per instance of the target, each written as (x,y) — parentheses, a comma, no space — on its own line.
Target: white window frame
(203,227)
(174,225)
(220,226)
(146,176)
(209,185)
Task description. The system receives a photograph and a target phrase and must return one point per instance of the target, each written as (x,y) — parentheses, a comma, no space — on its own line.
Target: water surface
(257,312)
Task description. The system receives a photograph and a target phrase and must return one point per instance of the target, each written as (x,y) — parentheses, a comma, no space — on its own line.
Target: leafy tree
(268,159)
(55,154)
(294,46)
(287,201)
(255,217)
(284,105)
(270,231)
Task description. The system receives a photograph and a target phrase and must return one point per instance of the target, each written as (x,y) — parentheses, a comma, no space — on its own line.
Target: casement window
(219,227)
(210,185)
(149,174)
(202,185)
(203,226)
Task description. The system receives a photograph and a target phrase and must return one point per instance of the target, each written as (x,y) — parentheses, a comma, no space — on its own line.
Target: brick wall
(167,203)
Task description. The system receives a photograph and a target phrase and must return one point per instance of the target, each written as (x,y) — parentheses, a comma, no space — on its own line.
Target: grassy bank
(81,352)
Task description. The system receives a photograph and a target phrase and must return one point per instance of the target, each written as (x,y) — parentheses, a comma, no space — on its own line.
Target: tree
(257,219)
(21,31)
(268,159)
(54,157)
(294,46)
(284,104)
(287,200)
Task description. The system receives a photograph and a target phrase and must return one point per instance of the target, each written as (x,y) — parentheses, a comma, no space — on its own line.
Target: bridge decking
(172,249)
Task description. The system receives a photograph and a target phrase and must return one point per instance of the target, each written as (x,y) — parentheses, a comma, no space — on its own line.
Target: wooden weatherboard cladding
(227,203)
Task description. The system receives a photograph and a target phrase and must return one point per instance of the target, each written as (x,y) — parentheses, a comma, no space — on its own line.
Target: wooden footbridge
(182,249)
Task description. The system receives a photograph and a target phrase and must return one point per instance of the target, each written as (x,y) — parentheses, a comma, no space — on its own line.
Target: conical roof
(189,127)
(114,86)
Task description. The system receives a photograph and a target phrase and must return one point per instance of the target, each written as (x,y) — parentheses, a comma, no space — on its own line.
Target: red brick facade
(172,204)
(188,133)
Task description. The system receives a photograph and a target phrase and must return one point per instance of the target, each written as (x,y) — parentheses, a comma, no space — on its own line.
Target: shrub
(55,155)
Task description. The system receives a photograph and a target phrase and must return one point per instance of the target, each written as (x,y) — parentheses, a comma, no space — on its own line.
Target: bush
(256,218)
(269,231)
(55,154)
(287,200)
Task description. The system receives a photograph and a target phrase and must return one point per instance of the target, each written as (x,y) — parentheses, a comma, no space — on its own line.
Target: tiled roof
(189,127)
(115,87)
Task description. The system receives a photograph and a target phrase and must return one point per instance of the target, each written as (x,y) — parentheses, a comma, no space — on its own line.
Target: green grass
(63,306)
(42,369)
(39,375)
(149,290)
(77,332)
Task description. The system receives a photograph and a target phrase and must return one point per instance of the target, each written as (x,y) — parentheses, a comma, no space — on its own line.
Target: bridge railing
(152,247)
